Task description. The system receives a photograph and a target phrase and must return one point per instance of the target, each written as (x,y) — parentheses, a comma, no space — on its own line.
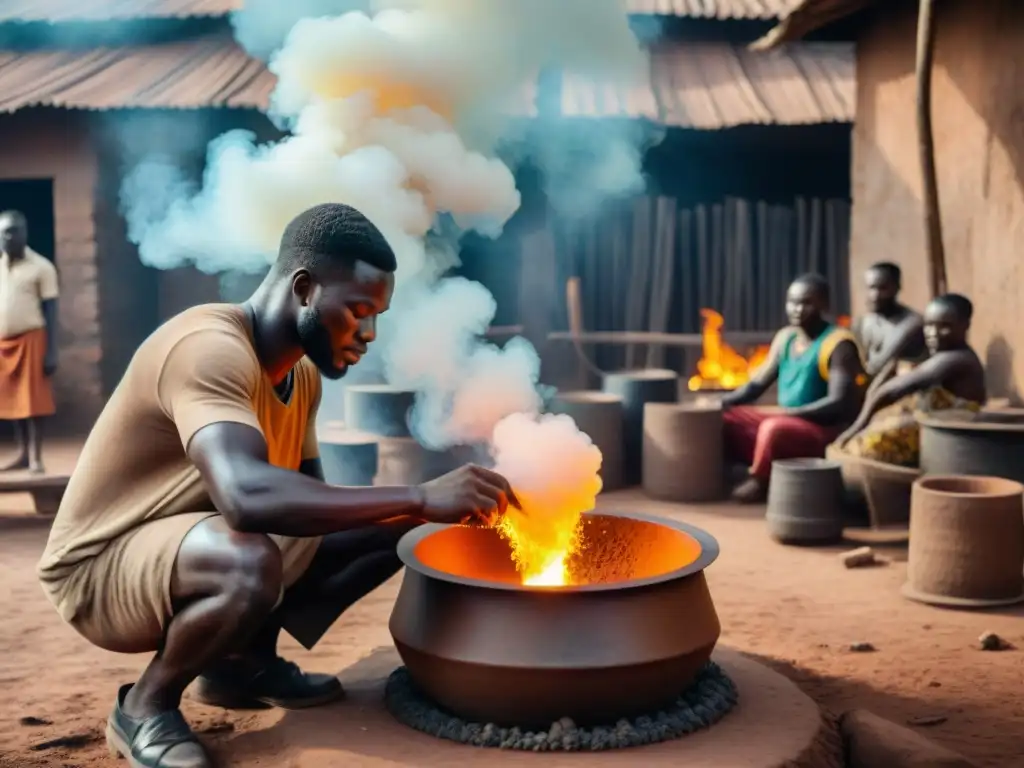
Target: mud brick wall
(40,144)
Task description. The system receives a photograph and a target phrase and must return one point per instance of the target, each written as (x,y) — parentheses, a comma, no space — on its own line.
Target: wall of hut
(43,144)
(978,114)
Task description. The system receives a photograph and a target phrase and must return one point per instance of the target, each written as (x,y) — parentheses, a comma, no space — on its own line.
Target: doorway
(34,198)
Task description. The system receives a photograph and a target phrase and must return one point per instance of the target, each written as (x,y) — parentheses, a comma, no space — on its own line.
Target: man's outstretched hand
(469,494)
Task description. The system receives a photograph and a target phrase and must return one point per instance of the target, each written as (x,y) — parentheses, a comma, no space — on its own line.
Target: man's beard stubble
(315,340)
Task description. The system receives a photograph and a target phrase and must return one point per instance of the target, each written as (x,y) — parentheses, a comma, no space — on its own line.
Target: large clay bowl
(626,641)
(990,443)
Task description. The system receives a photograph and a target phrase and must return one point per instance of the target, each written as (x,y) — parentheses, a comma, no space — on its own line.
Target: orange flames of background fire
(721,366)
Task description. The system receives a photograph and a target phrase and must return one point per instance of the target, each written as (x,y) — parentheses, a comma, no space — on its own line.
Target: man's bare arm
(257,497)
(895,343)
(49,307)
(763,377)
(844,366)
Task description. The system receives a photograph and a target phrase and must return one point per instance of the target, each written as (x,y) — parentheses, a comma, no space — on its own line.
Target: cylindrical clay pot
(682,452)
(403,461)
(599,415)
(988,444)
(379,409)
(966,542)
(348,457)
(805,501)
(637,388)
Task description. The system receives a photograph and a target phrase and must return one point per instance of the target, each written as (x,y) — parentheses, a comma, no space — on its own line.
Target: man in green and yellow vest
(820,379)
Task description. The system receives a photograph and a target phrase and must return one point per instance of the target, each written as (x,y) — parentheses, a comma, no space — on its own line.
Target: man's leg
(34,444)
(347,566)
(782,437)
(223,588)
(21,460)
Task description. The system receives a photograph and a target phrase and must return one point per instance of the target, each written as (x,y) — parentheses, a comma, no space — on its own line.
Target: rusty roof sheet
(713,9)
(209,71)
(805,17)
(720,85)
(112,10)
(99,10)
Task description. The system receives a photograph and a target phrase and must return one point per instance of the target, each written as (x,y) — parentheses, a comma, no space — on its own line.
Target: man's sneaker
(161,741)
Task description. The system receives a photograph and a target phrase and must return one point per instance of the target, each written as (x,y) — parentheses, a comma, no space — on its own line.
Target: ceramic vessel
(683,457)
(989,444)
(626,640)
(966,542)
(805,501)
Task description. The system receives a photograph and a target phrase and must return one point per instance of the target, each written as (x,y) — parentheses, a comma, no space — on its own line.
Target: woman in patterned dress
(951,378)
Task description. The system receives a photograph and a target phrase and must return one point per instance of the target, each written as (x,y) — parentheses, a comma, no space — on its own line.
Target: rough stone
(990,641)
(862,557)
(873,742)
(710,698)
(862,648)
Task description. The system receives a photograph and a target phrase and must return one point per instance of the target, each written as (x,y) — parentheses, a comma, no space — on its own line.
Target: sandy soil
(799,609)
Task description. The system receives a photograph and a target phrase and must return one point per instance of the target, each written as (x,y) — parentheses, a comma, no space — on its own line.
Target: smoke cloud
(401,108)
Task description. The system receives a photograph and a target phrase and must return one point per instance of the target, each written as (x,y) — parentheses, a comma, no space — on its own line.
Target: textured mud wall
(978,115)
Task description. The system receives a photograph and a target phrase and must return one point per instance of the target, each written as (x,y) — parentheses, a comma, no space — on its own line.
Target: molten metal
(625,637)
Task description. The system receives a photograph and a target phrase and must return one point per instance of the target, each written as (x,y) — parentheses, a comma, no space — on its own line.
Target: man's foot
(750,491)
(244,684)
(161,741)
(15,465)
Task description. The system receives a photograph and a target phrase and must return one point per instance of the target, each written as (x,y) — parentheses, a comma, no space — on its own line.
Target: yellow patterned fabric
(893,435)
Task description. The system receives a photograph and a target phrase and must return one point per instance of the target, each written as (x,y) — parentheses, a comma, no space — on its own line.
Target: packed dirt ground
(797,609)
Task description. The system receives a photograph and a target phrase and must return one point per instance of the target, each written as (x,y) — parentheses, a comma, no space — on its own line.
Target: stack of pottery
(598,415)
(383,411)
(805,501)
(966,542)
(637,388)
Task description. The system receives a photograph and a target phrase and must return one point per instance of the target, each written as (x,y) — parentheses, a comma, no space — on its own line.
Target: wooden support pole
(926,147)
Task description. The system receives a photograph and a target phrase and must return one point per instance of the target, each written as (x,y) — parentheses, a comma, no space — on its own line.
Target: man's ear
(302,287)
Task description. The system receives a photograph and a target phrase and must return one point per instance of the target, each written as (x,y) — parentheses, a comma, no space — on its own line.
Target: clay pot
(637,388)
(403,461)
(379,409)
(683,457)
(348,457)
(805,501)
(966,542)
(989,444)
(627,641)
(600,416)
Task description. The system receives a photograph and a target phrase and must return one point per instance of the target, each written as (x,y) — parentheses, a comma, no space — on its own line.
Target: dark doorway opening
(34,198)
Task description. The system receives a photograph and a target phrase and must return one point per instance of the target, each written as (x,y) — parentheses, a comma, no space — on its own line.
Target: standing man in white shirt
(28,348)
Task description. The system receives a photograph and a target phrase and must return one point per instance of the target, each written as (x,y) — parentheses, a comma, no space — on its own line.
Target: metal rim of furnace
(710,698)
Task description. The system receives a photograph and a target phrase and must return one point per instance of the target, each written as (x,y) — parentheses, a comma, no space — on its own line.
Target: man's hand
(469,493)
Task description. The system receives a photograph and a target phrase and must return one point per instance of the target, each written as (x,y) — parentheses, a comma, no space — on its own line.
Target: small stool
(805,501)
(966,542)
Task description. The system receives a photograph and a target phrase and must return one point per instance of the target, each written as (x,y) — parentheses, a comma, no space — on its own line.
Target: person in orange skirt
(28,351)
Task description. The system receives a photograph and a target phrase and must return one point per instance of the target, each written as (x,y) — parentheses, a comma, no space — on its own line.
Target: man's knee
(773,429)
(253,570)
(245,567)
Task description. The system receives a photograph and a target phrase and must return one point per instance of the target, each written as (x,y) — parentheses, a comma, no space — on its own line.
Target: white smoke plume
(400,112)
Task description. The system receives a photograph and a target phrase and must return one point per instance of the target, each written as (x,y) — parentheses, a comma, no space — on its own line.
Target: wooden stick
(926,149)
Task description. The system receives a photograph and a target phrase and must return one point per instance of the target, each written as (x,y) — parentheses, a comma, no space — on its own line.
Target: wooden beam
(926,148)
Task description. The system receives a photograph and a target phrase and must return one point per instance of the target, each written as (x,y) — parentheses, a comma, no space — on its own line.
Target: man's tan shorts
(122,597)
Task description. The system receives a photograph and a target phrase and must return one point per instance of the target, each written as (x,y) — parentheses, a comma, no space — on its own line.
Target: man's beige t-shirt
(24,285)
(197,369)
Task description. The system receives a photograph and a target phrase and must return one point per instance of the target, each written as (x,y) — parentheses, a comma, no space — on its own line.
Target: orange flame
(721,366)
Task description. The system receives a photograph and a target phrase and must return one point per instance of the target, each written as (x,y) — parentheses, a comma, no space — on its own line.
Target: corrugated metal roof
(112,10)
(202,72)
(98,10)
(805,17)
(210,71)
(697,85)
(712,9)
(719,85)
